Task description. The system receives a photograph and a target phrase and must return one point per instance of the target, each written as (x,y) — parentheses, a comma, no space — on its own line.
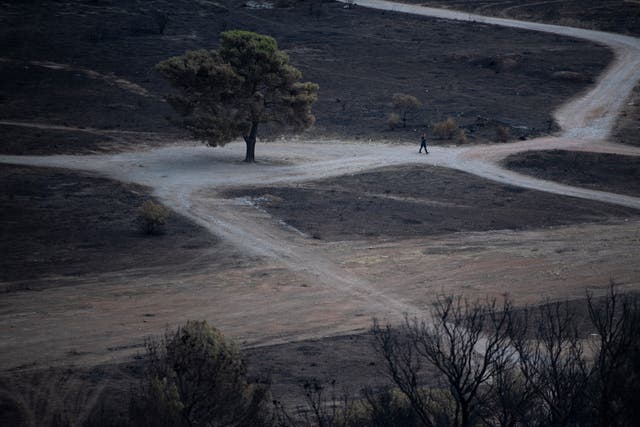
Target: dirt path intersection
(300,287)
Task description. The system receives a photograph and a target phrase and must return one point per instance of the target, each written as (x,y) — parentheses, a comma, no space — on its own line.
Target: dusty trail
(189,179)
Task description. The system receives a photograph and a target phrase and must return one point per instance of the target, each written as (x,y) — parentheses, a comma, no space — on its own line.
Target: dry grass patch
(445,129)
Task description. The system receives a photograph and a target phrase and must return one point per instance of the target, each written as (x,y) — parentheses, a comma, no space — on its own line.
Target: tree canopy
(227,93)
(406,105)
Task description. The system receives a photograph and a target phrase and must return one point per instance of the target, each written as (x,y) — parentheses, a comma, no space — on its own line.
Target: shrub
(445,129)
(502,134)
(152,216)
(194,376)
(461,137)
(387,407)
(393,120)
(405,105)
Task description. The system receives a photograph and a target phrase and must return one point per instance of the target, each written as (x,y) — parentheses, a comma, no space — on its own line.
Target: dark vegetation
(617,16)
(230,92)
(55,222)
(194,377)
(606,172)
(482,76)
(405,106)
(468,363)
(541,366)
(419,201)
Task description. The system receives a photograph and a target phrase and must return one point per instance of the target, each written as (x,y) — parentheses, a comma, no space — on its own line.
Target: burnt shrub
(445,129)
(393,120)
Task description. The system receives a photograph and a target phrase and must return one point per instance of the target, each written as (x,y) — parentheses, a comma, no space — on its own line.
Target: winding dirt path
(189,179)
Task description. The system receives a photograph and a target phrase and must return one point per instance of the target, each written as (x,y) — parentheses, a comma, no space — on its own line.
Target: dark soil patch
(21,140)
(483,76)
(617,16)
(343,364)
(417,201)
(627,129)
(605,172)
(24,140)
(67,97)
(57,222)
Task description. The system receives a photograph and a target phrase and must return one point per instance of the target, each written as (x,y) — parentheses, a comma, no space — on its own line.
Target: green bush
(195,377)
(152,216)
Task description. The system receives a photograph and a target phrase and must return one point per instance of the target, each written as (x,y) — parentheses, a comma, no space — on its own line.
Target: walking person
(423,144)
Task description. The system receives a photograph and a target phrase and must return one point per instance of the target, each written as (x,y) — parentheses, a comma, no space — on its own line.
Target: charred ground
(59,223)
(416,201)
(605,172)
(617,16)
(92,58)
(90,64)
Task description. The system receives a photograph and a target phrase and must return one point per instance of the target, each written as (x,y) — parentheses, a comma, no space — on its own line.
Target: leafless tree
(467,342)
(405,368)
(405,105)
(616,320)
(324,407)
(328,408)
(552,362)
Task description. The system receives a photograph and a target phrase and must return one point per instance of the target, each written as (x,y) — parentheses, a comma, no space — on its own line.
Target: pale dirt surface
(303,288)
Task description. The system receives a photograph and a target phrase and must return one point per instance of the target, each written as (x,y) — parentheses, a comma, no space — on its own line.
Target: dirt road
(314,289)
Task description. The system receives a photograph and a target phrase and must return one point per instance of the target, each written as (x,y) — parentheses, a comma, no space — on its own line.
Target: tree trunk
(466,417)
(250,140)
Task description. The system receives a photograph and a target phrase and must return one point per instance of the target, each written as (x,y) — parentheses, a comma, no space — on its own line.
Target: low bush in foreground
(195,377)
